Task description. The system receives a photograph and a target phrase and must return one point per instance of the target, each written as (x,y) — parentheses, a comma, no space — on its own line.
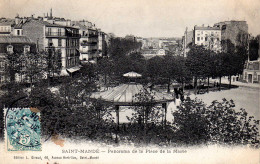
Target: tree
(182,74)
(253,49)
(154,68)
(105,68)
(146,115)
(52,58)
(198,62)
(89,71)
(170,69)
(34,67)
(219,123)
(13,66)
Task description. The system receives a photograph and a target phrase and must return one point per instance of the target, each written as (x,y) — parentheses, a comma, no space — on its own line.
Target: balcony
(88,43)
(55,34)
(61,34)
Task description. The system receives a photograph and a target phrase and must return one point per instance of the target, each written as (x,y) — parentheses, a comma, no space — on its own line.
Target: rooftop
(48,24)
(206,28)
(14,39)
(6,22)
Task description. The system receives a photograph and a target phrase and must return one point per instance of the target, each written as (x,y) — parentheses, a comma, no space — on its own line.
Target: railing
(92,35)
(88,43)
(89,36)
(56,34)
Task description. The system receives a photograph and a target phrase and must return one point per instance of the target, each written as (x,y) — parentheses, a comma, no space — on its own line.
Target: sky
(144,18)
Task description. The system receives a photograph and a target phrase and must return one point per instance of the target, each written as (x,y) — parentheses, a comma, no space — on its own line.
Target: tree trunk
(229,86)
(195,85)
(208,84)
(169,84)
(105,79)
(182,83)
(219,83)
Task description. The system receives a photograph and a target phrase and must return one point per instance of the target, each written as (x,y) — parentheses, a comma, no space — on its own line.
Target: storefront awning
(73,69)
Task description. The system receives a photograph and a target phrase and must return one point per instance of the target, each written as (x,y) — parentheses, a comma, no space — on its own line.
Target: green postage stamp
(23,129)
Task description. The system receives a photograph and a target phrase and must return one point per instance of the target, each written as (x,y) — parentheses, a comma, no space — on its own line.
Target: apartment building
(88,47)
(209,37)
(235,32)
(55,38)
(6,26)
(102,43)
(187,41)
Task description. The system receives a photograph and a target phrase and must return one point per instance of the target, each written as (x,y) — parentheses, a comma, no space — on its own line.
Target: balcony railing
(88,43)
(61,34)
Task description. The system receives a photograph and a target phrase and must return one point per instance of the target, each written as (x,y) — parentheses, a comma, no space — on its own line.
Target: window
(26,49)
(49,31)
(217,39)
(59,42)
(10,49)
(59,32)
(18,32)
(83,33)
(201,38)
(198,38)
(50,44)
(206,38)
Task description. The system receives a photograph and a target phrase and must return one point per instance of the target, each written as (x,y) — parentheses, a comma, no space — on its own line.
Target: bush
(218,123)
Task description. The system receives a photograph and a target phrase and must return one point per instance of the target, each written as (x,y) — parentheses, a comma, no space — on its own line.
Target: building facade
(187,40)
(102,43)
(251,73)
(54,38)
(235,32)
(209,37)
(6,26)
(93,41)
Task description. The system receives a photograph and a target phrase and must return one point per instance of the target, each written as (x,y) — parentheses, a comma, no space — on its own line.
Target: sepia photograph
(129,81)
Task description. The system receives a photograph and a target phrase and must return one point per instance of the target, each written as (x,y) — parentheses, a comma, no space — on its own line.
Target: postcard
(120,81)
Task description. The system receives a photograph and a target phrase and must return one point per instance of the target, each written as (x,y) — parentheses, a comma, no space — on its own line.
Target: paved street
(244,97)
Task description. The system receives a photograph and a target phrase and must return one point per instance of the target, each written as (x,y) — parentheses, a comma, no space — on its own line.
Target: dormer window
(26,49)
(10,49)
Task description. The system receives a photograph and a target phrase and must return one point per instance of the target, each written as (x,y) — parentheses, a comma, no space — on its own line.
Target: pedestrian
(176,93)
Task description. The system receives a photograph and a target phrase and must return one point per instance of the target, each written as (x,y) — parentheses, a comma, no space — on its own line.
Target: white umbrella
(132,74)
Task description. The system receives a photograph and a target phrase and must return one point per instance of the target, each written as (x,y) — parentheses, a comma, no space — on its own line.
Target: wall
(231,30)
(35,32)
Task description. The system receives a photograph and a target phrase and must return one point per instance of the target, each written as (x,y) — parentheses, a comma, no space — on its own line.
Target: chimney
(68,22)
(24,19)
(51,13)
(17,19)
